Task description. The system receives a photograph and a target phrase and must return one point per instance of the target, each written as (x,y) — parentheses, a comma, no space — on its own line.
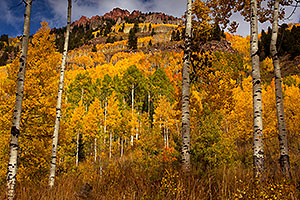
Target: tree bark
(149,103)
(59,100)
(122,147)
(164,135)
(132,106)
(110,135)
(77,148)
(95,150)
(258,148)
(100,159)
(186,141)
(283,140)
(15,129)
(105,115)
(167,134)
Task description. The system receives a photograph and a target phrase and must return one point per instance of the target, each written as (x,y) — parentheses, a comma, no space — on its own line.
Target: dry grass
(128,180)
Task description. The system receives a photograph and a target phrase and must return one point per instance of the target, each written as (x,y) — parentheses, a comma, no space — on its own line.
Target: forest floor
(125,179)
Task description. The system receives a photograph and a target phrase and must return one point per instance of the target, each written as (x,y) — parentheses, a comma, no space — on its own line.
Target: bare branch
(293,12)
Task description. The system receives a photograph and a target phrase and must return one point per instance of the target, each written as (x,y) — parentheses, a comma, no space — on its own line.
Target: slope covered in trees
(120,130)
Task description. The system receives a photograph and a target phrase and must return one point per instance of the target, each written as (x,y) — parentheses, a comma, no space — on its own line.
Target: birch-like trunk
(100,161)
(258,148)
(122,147)
(15,129)
(167,134)
(59,100)
(149,103)
(105,115)
(186,141)
(164,135)
(283,140)
(77,148)
(132,106)
(138,128)
(110,135)
(95,150)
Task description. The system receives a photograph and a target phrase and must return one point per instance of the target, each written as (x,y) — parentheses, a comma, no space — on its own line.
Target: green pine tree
(132,39)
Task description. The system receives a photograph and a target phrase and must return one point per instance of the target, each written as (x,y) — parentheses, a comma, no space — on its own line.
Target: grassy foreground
(126,179)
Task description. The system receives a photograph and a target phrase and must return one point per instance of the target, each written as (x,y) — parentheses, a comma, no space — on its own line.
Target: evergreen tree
(173,36)
(136,28)
(121,30)
(217,33)
(177,37)
(132,39)
(4,38)
(4,58)
(108,40)
(153,32)
(94,49)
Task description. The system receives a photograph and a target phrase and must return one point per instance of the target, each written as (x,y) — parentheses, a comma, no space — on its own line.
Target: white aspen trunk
(78,134)
(82,92)
(77,148)
(131,140)
(164,134)
(100,162)
(167,138)
(186,141)
(132,106)
(95,150)
(132,98)
(160,123)
(258,148)
(167,134)
(149,103)
(122,147)
(15,129)
(137,129)
(105,115)
(110,138)
(283,140)
(59,100)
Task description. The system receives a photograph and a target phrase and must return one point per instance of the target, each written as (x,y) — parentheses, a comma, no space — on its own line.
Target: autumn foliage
(127,105)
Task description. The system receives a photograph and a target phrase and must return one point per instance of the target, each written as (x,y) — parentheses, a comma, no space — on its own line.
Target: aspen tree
(59,98)
(244,7)
(283,140)
(186,140)
(15,130)
(258,148)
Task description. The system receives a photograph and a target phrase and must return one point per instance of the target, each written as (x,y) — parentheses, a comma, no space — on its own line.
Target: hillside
(120,130)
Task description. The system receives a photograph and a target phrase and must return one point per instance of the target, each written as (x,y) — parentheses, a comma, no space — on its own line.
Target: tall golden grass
(126,179)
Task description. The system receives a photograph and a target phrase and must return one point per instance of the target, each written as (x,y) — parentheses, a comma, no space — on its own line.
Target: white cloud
(172,7)
(8,16)
(176,8)
(91,8)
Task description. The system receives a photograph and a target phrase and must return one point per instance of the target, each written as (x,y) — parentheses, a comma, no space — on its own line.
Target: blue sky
(54,12)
